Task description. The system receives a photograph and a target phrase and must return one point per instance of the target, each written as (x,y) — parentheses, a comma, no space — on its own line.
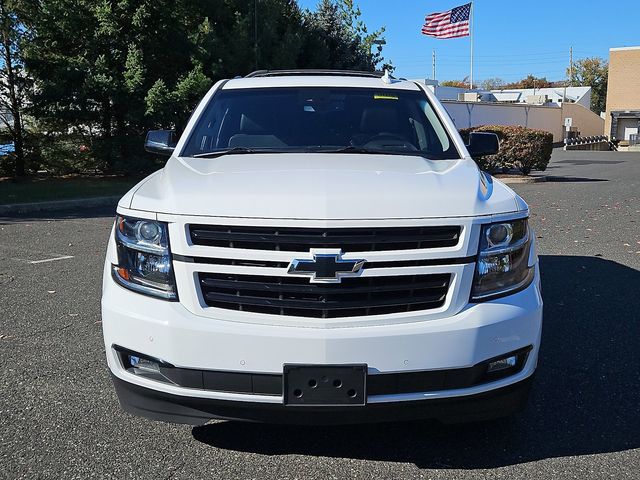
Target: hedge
(521,148)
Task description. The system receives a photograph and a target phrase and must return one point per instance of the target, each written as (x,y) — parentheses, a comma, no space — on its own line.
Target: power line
(537,60)
(524,74)
(556,54)
(505,76)
(446,61)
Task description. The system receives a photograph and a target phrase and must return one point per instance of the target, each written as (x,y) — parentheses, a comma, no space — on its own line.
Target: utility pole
(255,30)
(471,44)
(433,66)
(571,66)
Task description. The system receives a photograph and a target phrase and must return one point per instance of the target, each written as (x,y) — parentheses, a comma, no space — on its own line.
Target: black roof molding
(314,72)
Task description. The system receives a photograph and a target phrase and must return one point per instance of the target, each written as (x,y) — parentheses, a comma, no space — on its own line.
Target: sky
(511,38)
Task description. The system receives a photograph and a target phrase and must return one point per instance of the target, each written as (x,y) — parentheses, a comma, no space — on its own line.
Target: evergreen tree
(95,62)
(341,38)
(14,83)
(105,72)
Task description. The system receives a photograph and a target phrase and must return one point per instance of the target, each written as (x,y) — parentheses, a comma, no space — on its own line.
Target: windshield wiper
(374,151)
(229,151)
(415,153)
(347,149)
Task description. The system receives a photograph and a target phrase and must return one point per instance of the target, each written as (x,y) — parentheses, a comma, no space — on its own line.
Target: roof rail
(314,72)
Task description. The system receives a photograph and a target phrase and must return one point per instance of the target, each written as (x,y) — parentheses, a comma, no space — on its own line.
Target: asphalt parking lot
(59,416)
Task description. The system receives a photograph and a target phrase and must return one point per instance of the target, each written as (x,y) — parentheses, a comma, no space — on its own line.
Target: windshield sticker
(384,97)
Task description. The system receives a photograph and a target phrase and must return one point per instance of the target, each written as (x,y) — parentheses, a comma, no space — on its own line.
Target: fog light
(143,365)
(502,364)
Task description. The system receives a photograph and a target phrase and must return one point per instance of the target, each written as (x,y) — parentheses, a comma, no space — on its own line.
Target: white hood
(322,186)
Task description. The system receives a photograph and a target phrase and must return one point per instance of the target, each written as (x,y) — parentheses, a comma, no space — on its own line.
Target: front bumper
(168,331)
(166,407)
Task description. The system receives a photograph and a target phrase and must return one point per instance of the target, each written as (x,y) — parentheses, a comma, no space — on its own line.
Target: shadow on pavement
(97,212)
(574,179)
(575,161)
(584,401)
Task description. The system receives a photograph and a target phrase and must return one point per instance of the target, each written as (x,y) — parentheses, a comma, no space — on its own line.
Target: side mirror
(483,143)
(161,142)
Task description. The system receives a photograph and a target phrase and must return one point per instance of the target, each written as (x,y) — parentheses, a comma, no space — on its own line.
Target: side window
(208,131)
(436,126)
(420,134)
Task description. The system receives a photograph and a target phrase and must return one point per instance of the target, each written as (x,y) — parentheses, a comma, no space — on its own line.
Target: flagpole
(471,42)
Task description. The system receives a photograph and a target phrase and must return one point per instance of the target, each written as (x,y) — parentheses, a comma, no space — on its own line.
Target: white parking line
(51,259)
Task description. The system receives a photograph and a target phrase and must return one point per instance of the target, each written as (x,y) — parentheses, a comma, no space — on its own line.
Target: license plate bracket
(325,385)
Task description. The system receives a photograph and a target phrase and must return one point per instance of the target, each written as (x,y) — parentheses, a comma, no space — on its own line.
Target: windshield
(322,119)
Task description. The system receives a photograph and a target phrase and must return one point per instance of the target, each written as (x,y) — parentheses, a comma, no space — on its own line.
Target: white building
(531,96)
(549,109)
(557,95)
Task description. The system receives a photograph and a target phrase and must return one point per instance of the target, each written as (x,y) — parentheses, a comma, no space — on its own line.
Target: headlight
(144,258)
(503,260)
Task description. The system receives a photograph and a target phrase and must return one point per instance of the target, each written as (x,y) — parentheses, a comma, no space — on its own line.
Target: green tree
(106,72)
(531,81)
(492,83)
(94,63)
(592,72)
(14,84)
(338,38)
(454,83)
(225,38)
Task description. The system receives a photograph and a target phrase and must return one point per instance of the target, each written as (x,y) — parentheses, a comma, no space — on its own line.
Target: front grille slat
(318,288)
(297,239)
(326,305)
(344,240)
(296,296)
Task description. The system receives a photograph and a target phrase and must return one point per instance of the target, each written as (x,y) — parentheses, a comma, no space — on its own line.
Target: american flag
(450,24)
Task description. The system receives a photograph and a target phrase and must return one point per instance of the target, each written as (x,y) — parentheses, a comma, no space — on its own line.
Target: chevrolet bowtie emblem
(326,267)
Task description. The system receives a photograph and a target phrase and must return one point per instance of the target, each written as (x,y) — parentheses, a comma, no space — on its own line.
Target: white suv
(321,248)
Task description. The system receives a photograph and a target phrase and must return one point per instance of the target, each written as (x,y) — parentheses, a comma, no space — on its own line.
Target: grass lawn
(42,189)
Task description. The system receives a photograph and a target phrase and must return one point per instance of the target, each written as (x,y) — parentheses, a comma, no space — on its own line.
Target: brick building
(623,93)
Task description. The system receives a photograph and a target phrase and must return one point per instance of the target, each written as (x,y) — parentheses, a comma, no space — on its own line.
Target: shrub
(76,153)
(522,148)
(6,159)
(6,165)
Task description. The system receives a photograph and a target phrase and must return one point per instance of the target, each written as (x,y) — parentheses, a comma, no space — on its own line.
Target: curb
(514,180)
(74,204)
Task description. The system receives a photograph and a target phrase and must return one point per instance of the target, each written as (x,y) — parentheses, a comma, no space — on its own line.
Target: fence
(597,142)
(550,118)
(472,114)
